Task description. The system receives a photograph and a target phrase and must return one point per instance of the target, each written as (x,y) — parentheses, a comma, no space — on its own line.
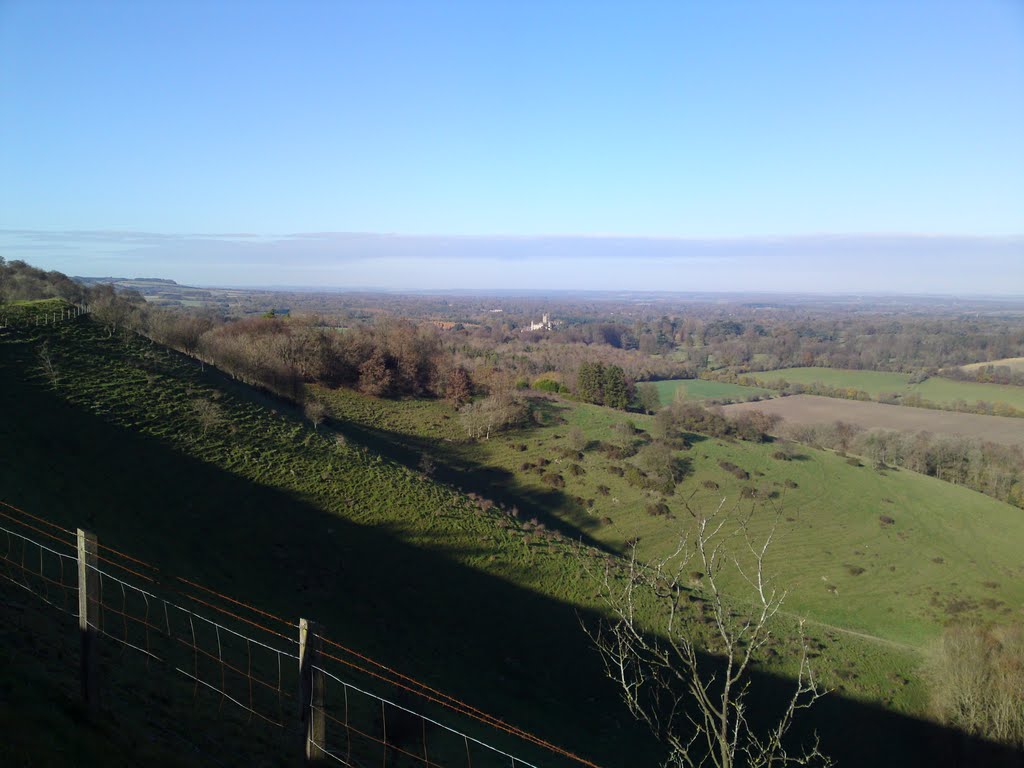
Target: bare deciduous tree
(207,413)
(492,414)
(976,675)
(316,411)
(47,364)
(698,706)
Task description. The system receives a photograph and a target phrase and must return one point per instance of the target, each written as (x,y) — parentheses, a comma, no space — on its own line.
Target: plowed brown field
(811,409)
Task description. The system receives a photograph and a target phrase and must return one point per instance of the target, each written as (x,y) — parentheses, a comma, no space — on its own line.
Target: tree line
(990,468)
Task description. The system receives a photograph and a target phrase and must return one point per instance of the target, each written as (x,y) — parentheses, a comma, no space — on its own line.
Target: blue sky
(694,133)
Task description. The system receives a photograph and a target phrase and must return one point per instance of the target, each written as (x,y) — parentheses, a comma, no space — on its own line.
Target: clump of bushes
(618,452)
(576,470)
(635,476)
(659,509)
(711,485)
(738,472)
(603,490)
(553,479)
(885,520)
(791,484)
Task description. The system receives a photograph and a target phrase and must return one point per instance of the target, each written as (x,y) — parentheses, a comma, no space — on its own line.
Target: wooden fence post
(88,616)
(311,692)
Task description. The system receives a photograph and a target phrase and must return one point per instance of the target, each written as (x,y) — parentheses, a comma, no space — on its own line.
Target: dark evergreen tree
(615,388)
(590,382)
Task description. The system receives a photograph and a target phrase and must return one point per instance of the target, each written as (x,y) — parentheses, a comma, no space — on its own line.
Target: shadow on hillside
(453,467)
(504,649)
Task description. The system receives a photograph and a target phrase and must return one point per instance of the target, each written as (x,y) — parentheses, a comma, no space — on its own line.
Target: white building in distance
(543,325)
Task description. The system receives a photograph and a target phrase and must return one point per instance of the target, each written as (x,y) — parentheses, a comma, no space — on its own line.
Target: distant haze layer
(897,263)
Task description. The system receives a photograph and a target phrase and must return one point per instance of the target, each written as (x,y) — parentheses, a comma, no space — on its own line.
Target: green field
(440,576)
(701,389)
(941,391)
(831,526)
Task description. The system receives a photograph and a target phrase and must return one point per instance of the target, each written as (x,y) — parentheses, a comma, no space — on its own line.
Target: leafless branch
(694,704)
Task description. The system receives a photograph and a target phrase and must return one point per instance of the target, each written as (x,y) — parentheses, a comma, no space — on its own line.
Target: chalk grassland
(700,389)
(256,504)
(813,409)
(944,392)
(842,565)
(1013,363)
(481,602)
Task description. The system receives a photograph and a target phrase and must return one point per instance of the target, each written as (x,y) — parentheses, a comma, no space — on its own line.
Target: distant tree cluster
(683,416)
(911,399)
(22,282)
(990,468)
(742,338)
(603,385)
(987,374)
(390,358)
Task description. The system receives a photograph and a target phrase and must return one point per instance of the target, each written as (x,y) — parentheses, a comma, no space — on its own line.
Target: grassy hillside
(943,392)
(950,552)
(21,313)
(219,484)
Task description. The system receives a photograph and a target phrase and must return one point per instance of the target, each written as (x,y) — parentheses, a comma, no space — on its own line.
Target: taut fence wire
(278,677)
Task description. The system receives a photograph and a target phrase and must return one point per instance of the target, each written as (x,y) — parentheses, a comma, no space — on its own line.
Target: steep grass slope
(882,551)
(188,471)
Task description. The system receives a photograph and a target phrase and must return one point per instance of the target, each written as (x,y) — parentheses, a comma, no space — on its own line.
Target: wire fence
(396,732)
(28,316)
(42,570)
(237,661)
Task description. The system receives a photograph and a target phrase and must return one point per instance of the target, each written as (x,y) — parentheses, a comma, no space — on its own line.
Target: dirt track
(811,409)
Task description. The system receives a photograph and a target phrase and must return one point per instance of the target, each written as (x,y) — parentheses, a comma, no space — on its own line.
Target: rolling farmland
(943,392)
(701,389)
(812,409)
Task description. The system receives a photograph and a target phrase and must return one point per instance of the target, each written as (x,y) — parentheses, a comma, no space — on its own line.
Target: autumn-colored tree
(458,387)
(374,375)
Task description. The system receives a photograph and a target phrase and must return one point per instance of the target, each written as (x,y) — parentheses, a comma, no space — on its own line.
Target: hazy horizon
(879,264)
(735,146)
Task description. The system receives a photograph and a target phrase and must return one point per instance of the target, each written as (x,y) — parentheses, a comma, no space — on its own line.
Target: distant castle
(543,325)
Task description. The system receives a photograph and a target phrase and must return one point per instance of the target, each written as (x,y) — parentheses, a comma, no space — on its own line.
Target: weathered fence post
(311,691)
(88,616)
